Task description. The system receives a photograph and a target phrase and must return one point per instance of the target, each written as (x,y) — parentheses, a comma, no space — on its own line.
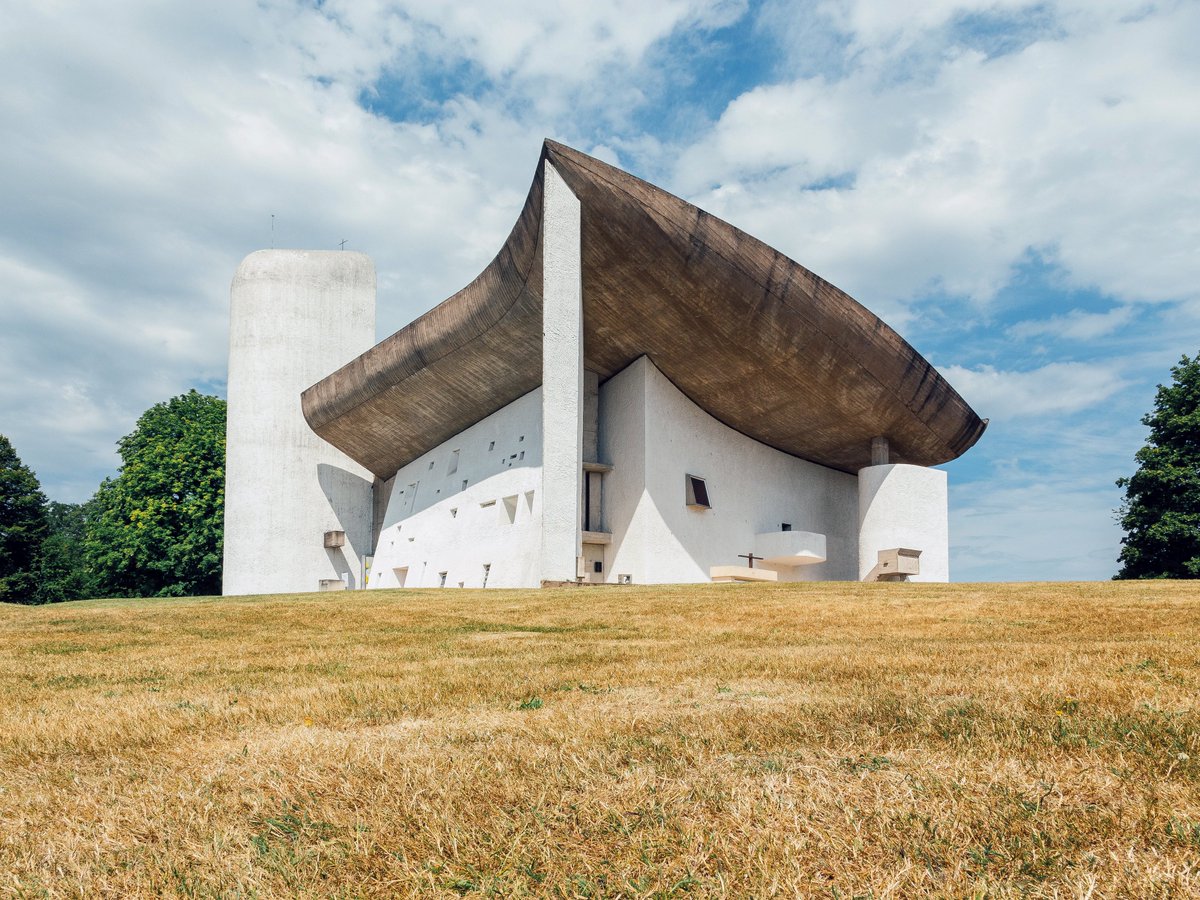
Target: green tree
(1161,512)
(22,527)
(64,573)
(156,529)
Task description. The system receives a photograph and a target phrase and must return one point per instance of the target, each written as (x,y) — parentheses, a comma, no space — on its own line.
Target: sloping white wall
(435,524)
(295,316)
(654,436)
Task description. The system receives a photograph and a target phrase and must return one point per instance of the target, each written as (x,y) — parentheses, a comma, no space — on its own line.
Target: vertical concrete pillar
(562,379)
(295,316)
(904,506)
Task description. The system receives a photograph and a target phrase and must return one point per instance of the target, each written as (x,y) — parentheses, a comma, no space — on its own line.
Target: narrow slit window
(697,492)
(487,570)
(491,446)
(453,466)
(441,579)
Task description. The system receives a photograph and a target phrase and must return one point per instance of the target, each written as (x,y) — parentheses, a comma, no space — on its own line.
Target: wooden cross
(343,243)
(750,556)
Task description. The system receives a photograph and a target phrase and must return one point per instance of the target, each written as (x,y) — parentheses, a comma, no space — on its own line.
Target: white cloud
(1054,389)
(1033,532)
(1079,145)
(1077,324)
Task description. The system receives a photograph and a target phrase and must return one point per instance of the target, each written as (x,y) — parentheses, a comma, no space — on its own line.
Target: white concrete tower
(903,506)
(295,317)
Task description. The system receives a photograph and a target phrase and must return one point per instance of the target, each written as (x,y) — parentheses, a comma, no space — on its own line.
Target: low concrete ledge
(726,574)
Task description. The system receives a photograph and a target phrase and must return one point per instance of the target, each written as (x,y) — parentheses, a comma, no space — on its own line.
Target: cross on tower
(343,244)
(750,556)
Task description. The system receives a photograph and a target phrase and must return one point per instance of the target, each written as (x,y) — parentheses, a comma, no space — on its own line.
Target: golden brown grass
(811,740)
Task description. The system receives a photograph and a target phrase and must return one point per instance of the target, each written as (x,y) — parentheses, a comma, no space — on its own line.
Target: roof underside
(750,336)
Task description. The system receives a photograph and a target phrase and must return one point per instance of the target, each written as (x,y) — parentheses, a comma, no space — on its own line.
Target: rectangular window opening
(697,492)
(491,446)
(453,466)
(786,526)
(441,579)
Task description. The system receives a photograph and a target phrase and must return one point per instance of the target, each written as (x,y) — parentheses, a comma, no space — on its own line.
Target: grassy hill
(795,740)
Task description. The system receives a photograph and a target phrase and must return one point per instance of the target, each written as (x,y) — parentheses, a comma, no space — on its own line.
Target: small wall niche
(452,466)
(510,508)
(401,574)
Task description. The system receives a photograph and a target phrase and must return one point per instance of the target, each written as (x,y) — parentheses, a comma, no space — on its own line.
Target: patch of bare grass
(792,740)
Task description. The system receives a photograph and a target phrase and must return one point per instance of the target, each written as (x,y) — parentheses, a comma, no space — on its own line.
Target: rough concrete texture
(562,380)
(758,341)
(904,506)
(295,316)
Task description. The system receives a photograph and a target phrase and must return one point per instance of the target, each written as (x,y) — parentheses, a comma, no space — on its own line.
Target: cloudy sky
(1014,186)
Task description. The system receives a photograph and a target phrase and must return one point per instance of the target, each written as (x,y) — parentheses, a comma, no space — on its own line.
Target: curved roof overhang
(753,338)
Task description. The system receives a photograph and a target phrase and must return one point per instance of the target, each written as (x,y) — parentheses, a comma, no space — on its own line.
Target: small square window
(696,492)
(597,566)
(786,526)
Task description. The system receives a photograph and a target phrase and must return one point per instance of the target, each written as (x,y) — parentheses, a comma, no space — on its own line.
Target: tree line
(153,530)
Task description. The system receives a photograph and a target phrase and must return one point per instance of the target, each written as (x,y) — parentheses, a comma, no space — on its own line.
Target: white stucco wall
(654,436)
(904,506)
(295,316)
(434,524)
(562,378)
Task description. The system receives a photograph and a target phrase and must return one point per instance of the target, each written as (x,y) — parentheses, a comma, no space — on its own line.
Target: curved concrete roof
(756,340)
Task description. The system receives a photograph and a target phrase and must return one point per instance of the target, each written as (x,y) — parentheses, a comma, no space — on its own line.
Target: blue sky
(1014,186)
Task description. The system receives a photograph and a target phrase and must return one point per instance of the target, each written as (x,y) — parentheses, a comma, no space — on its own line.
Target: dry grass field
(888,740)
